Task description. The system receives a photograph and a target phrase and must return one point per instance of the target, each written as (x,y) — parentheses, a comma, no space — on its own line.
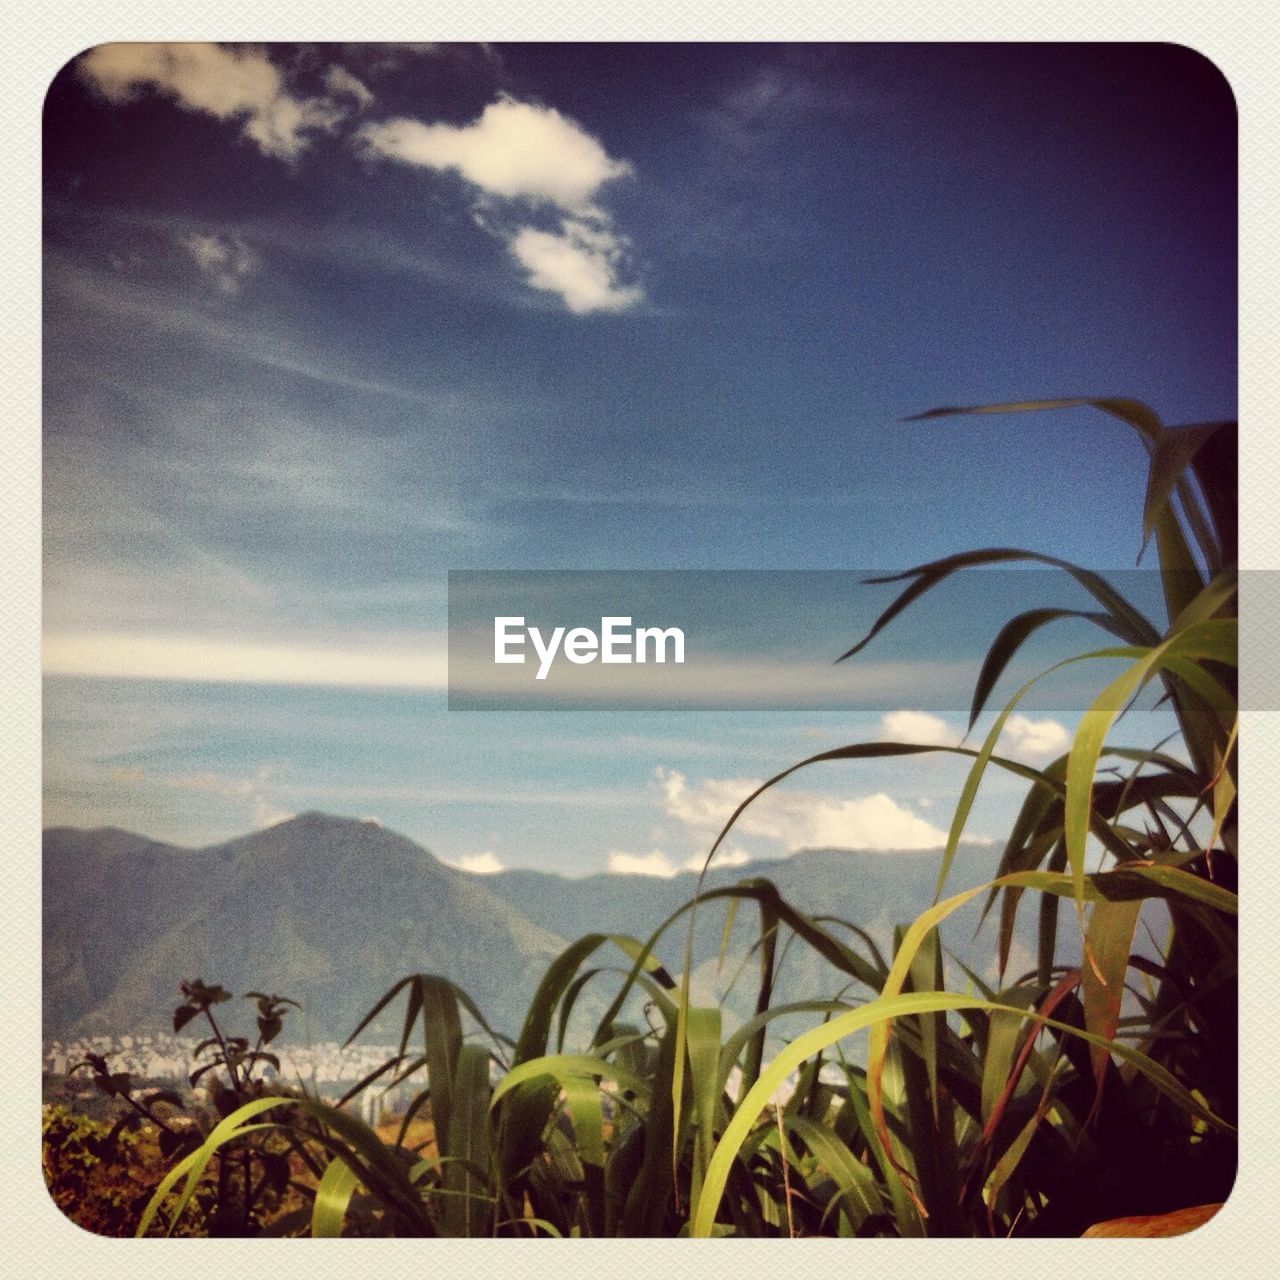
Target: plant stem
(222,1043)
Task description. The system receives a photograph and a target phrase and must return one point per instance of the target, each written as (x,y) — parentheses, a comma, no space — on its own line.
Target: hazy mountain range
(332,911)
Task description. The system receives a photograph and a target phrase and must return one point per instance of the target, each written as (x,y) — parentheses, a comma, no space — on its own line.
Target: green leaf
(1213,638)
(380,1169)
(1004,1031)
(1143,419)
(1124,616)
(561,1066)
(704,1074)
(1110,938)
(1170,461)
(534,1035)
(333,1195)
(1015,633)
(857,1194)
(468,1145)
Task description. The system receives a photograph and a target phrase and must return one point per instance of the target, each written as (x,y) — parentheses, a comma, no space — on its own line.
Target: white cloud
(516,150)
(342,84)
(656,863)
(580,263)
(918,727)
(870,822)
(703,809)
(224,260)
(1021,737)
(479,864)
(796,819)
(726,856)
(522,152)
(226,83)
(1036,738)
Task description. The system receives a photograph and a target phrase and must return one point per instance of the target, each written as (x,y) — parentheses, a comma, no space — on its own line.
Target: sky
(323,323)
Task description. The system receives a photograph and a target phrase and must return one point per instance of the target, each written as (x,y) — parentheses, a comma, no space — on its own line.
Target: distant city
(170,1058)
(324,1069)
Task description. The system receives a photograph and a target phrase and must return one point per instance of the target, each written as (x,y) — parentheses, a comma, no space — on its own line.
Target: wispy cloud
(225,261)
(266,814)
(748,117)
(342,84)
(707,681)
(159,657)
(218,784)
(134,301)
(252,788)
(226,83)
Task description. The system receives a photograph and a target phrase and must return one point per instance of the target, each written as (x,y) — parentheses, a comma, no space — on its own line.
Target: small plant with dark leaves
(232,1053)
(155,1106)
(254,1173)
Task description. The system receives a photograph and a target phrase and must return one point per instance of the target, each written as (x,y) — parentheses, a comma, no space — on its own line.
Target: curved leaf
(333,1195)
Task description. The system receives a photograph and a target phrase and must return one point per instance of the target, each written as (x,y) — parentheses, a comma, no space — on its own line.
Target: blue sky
(325,322)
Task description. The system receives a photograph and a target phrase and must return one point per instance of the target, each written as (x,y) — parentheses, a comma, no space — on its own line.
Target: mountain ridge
(333,910)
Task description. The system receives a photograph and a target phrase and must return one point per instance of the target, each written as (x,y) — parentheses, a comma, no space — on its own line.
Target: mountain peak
(317,819)
(326,834)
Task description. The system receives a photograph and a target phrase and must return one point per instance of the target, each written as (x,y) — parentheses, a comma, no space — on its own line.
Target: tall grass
(1045,1104)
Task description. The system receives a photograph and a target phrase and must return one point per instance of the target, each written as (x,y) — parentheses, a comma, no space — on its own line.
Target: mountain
(874,891)
(328,911)
(104,893)
(332,911)
(862,887)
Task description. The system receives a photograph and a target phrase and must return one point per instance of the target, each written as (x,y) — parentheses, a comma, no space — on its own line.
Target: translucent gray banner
(782,639)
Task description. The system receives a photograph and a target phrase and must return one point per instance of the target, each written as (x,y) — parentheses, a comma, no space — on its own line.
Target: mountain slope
(872,890)
(105,892)
(328,911)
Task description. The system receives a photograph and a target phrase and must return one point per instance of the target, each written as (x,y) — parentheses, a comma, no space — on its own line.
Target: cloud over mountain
(795,819)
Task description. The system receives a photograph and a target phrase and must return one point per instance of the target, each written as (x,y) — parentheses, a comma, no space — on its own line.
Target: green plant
(1044,1107)
(98,1175)
(1126,1136)
(254,1176)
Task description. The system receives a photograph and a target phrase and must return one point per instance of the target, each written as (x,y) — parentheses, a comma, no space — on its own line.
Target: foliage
(99,1177)
(255,1177)
(1072,1094)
